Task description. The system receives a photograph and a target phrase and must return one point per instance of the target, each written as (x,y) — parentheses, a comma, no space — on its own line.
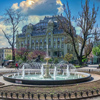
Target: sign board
(18,81)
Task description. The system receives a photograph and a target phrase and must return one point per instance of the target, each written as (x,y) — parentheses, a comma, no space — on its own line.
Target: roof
(40,28)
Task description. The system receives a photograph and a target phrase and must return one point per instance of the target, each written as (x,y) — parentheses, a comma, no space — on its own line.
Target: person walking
(17,65)
(2,65)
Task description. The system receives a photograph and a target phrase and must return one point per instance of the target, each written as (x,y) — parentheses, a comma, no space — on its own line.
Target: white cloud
(59,2)
(15,6)
(60,10)
(78,29)
(33,19)
(36,11)
(39,7)
(3,40)
(2,26)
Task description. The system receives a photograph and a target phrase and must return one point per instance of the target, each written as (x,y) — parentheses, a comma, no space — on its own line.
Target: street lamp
(97,57)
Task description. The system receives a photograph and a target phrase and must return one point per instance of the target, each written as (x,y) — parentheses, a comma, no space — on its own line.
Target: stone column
(51,40)
(65,48)
(47,39)
(56,42)
(60,42)
(38,45)
(34,44)
(42,43)
(26,41)
(30,44)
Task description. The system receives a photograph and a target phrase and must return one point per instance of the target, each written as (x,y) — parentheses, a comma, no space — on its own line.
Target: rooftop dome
(30,25)
(50,21)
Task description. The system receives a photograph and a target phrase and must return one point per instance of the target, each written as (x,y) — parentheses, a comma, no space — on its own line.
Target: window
(28,35)
(58,39)
(21,42)
(36,41)
(25,42)
(45,40)
(44,46)
(54,39)
(49,46)
(54,46)
(62,46)
(40,47)
(33,47)
(49,40)
(41,40)
(62,39)
(49,33)
(32,41)
(28,42)
(58,46)
(37,47)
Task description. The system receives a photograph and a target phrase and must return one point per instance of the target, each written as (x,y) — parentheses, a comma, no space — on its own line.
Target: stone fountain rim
(48,82)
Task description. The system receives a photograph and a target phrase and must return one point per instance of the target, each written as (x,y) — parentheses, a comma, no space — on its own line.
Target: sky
(36,10)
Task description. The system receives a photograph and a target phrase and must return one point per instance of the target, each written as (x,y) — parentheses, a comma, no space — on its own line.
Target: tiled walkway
(96,77)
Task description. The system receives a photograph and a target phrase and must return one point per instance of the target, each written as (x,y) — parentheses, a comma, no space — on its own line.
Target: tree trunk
(13,54)
(80,61)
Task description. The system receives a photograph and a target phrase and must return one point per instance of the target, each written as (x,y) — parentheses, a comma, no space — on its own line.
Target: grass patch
(77,66)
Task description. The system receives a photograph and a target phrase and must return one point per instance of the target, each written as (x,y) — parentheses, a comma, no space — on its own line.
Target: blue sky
(75,5)
(37,9)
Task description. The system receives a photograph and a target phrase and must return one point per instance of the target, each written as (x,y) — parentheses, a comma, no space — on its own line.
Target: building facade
(4,52)
(96,58)
(46,32)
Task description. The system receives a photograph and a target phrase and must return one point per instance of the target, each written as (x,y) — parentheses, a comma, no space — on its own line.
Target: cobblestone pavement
(94,98)
(96,77)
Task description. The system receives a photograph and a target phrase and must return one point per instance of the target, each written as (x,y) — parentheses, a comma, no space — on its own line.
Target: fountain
(67,71)
(44,77)
(23,72)
(47,58)
(55,72)
(42,71)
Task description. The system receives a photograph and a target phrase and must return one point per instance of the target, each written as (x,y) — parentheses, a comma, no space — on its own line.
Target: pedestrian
(17,65)
(2,65)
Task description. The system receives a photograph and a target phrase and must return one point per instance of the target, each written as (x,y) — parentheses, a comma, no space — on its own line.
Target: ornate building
(4,52)
(36,37)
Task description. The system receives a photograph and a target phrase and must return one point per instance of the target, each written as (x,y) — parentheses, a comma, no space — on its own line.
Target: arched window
(49,40)
(62,39)
(54,39)
(58,39)
(49,33)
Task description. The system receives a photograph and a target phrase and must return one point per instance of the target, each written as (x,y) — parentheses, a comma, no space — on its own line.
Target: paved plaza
(91,67)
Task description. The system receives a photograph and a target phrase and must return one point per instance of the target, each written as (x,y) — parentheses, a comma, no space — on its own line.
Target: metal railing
(74,95)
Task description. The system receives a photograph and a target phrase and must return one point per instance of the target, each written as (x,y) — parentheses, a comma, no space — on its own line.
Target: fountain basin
(17,79)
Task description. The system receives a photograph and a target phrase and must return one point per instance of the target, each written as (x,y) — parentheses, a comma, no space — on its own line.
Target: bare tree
(86,22)
(12,18)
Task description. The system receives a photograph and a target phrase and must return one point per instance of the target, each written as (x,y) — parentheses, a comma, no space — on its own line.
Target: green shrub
(55,60)
(8,57)
(77,66)
(42,59)
(50,60)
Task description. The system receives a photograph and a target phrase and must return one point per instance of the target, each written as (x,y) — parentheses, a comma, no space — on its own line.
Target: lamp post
(97,57)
